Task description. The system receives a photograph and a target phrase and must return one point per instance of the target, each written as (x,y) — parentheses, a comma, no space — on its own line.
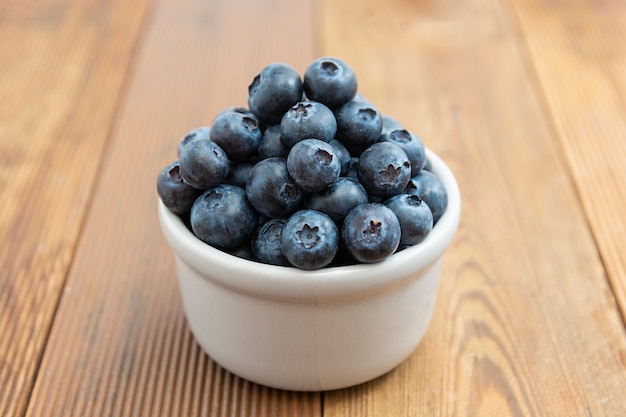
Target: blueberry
(273,91)
(429,188)
(390,124)
(238,134)
(308,119)
(416,219)
(343,155)
(194,134)
(239,174)
(343,256)
(337,200)
(272,144)
(313,164)
(309,240)
(353,168)
(203,164)
(244,252)
(359,125)
(237,109)
(312,150)
(359,97)
(271,190)
(375,199)
(223,217)
(411,144)
(371,232)
(384,169)
(330,81)
(176,194)
(266,243)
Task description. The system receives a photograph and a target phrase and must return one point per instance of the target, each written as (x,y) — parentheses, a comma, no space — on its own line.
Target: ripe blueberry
(308,119)
(390,124)
(273,91)
(384,169)
(239,174)
(266,243)
(272,144)
(330,81)
(313,164)
(371,232)
(271,190)
(203,164)
(359,124)
(309,240)
(177,195)
(343,155)
(416,219)
(223,217)
(411,144)
(429,188)
(238,134)
(194,134)
(337,200)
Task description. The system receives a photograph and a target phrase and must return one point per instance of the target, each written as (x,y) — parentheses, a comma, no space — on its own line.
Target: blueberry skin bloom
(359,124)
(384,169)
(416,219)
(313,164)
(429,188)
(330,81)
(308,119)
(309,240)
(176,195)
(238,134)
(272,144)
(343,155)
(390,124)
(337,200)
(273,91)
(353,168)
(271,190)
(266,243)
(203,164)
(411,144)
(223,217)
(371,232)
(239,174)
(202,132)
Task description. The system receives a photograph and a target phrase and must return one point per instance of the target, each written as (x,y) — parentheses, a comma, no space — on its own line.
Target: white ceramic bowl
(311,330)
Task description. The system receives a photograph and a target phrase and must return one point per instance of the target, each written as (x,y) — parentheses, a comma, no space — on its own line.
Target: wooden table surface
(525,100)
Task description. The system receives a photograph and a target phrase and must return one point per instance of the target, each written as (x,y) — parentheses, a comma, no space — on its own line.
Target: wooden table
(525,99)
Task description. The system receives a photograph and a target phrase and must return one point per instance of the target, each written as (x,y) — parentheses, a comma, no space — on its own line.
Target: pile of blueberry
(309,175)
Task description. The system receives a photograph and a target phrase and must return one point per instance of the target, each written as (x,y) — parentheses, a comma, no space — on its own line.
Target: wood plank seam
(550,117)
(121,97)
(96,373)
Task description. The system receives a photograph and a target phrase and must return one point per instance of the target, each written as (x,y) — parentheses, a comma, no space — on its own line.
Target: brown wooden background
(525,99)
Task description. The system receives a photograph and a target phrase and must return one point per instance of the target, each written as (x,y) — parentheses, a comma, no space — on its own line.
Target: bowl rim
(293,284)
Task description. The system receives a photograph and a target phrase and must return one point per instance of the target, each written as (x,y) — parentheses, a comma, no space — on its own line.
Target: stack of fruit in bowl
(309,175)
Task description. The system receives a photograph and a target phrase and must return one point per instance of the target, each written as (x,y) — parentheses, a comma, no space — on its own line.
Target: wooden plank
(526,323)
(578,52)
(120,344)
(63,66)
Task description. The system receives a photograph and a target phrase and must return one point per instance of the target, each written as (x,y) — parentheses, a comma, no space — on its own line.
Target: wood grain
(62,68)
(524,100)
(579,58)
(131,352)
(526,323)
